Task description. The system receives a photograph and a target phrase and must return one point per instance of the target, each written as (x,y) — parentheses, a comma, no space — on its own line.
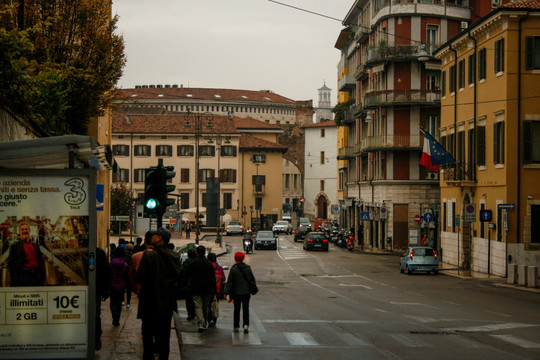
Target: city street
(345,305)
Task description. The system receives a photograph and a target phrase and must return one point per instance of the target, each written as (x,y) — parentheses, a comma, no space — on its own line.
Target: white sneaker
(246,329)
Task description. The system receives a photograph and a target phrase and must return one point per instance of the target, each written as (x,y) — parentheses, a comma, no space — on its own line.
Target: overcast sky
(232,44)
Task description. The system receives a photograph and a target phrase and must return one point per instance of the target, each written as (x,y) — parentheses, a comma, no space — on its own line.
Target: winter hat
(239,257)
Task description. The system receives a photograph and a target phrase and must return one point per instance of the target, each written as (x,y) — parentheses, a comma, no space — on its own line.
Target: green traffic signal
(152,191)
(151,203)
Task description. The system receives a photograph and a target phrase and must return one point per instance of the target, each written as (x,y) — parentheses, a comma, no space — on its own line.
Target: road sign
(470,213)
(417,218)
(458,220)
(485,215)
(222,212)
(383,213)
(506,206)
(428,217)
(364,216)
(120,218)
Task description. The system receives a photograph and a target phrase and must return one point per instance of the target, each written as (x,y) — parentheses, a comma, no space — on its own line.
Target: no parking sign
(470,213)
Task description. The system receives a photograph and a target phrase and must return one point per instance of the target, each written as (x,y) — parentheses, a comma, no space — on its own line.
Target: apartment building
(490,122)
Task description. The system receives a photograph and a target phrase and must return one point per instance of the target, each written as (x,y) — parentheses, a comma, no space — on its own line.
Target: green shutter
(481,145)
(529,52)
(527,137)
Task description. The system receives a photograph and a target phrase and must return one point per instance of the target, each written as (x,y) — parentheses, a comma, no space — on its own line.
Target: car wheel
(409,271)
(436,272)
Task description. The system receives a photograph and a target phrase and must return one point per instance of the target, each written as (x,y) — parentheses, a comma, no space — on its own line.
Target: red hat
(239,257)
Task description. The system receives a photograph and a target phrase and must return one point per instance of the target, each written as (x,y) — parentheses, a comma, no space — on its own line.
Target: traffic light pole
(156,191)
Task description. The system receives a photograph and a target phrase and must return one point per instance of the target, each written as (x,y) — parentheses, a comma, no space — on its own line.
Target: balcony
(401,97)
(347,81)
(346,153)
(258,189)
(391,142)
(440,8)
(458,174)
(392,53)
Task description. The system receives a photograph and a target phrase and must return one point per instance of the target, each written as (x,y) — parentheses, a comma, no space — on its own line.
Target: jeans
(190,305)
(201,308)
(211,317)
(117,296)
(241,301)
(158,327)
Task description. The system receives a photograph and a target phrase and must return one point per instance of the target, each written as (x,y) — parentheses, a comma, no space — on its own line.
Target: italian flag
(426,159)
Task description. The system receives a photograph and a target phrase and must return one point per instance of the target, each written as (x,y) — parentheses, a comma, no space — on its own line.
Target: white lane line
(240,338)
(300,321)
(300,339)
(357,285)
(405,340)
(517,341)
(498,313)
(488,328)
(192,338)
(354,340)
(451,303)
(412,304)
(381,310)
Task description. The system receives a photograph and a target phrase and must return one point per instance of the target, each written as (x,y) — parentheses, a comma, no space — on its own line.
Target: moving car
(301,232)
(316,240)
(235,227)
(265,239)
(304,222)
(282,226)
(286,216)
(419,258)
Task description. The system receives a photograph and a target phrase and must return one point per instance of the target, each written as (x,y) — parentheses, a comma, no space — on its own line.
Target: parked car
(235,227)
(316,240)
(301,232)
(286,216)
(419,258)
(282,226)
(265,239)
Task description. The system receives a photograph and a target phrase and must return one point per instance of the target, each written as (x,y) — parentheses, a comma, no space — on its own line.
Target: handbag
(253,289)
(215,307)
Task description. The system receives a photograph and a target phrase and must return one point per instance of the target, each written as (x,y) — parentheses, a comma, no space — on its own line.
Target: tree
(122,200)
(60,61)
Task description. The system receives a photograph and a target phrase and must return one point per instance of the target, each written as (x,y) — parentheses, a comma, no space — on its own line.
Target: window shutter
(234,174)
(263,179)
(212,172)
(253,179)
(495,144)
(496,57)
(481,145)
(527,142)
(529,52)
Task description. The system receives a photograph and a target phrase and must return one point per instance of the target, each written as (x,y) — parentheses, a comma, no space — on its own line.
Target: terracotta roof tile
(523,4)
(249,142)
(203,94)
(250,123)
(327,123)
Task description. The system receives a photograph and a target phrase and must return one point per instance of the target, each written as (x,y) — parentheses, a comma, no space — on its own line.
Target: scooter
(350,242)
(248,245)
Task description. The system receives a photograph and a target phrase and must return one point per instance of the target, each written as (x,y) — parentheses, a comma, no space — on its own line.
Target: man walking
(202,283)
(158,271)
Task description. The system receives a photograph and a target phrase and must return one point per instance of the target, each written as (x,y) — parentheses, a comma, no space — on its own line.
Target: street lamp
(195,121)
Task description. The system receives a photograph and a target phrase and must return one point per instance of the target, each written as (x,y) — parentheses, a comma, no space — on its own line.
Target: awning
(56,152)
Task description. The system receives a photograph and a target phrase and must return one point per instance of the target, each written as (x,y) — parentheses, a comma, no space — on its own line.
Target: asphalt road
(344,305)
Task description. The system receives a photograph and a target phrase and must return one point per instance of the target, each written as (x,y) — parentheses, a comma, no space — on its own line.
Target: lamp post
(195,121)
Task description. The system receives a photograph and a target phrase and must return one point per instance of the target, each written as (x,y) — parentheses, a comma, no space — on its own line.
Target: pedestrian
(188,229)
(119,279)
(138,245)
(424,241)
(213,308)
(202,284)
(103,286)
(112,247)
(238,289)
(190,305)
(136,261)
(158,271)
(127,258)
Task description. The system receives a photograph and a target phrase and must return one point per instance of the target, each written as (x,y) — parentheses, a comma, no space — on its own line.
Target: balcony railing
(397,52)
(258,189)
(397,97)
(347,82)
(459,172)
(397,142)
(346,153)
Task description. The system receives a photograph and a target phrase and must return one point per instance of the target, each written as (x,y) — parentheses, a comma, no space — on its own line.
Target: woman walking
(119,278)
(238,288)
(213,309)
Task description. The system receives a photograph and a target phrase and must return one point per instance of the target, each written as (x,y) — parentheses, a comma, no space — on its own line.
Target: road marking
(300,339)
(357,285)
(381,310)
(412,304)
(240,338)
(497,313)
(354,340)
(488,328)
(301,321)
(517,341)
(451,303)
(405,340)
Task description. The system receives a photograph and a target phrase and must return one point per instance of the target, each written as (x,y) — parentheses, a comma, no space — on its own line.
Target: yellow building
(490,122)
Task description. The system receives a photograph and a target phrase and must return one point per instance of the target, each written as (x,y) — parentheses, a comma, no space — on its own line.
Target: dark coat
(103,275)
(237,282)
(15,263)
(158,271)
(201,277)
(119,273)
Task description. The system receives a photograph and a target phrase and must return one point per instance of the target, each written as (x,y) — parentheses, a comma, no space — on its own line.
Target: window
(340,180)
(461,75)
(258,203)
(452,79)
(228,150)
(205,174)
(207,150)
(531,142)
(460,158)
(322,157)
(185,150)
(432,38)
(498,142)
(227,201)
(431,81)
(138,175)
(258,181)
(227,175)
(295,181)
(481,145)
(184,175)
(122,176)
(443,83)
(143,150)
(322,185)
(532,52)
(184,200)
(163,150)
(535,223)
(203,199)
(472,69)
(470,151)
(499,55)
(287,181)
(121,150)
(482,64)
(432,125)
(451,142)
(322,133)
(259,158)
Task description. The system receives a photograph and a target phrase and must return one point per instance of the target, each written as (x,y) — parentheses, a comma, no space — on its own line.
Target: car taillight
(435,254)
(310,240)
(298,232)
(325,240)
(411,254)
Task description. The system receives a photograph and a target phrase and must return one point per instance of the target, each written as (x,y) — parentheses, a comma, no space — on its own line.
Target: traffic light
(152,191)
(166,174)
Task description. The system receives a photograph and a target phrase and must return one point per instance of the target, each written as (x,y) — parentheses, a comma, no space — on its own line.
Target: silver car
(235,227)
(419,258)
(282,226)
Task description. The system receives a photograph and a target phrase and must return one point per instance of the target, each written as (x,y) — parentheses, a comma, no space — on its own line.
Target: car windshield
(317,236)
(304,221)
(423,252)
(265,235)
(235,223)
(282,223)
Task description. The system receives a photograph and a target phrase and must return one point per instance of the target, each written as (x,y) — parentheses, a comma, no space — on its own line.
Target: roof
(249,123)
(185,93)
(252,143)
(324,87)
(523,4)
(322,124)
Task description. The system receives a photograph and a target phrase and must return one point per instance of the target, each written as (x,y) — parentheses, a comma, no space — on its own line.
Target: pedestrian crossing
(289,251)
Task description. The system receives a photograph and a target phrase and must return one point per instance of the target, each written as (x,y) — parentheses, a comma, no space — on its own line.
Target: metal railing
(345,153)
(458,172)
(382,97)
(391,142)
(384,52)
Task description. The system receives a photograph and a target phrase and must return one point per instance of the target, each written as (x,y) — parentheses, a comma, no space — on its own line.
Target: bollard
(512,274)
(522,275)
(532,276)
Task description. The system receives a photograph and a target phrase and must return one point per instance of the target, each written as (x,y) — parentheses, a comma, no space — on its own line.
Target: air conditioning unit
(432,176)
(495,3)
(464,25)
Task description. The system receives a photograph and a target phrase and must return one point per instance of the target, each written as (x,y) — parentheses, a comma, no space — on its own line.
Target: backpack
(220,281)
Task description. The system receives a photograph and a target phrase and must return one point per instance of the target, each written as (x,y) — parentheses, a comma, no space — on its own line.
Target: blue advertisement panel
(45,230)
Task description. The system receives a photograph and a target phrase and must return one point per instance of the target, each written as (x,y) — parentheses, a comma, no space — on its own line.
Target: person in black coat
(25,260)
(237,287)
(202,285)
(103,284)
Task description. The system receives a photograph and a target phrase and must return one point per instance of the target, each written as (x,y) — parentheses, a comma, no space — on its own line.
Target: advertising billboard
(47,233)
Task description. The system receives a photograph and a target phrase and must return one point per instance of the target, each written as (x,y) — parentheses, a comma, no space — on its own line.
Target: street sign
(428,217)
(383,213)
(417,218)
(364,216)
(506,206)
(120,218)
(470,213)
(222,212)
(457,220)
(485,215)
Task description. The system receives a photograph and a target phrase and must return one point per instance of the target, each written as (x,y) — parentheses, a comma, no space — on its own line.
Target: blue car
(419,258)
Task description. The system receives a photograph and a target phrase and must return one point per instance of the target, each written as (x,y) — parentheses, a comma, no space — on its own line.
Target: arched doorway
(467,237)
(322,207)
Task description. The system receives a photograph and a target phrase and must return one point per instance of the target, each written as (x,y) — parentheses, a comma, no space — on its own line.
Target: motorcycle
(248,245)
(350,241)
(341,239)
